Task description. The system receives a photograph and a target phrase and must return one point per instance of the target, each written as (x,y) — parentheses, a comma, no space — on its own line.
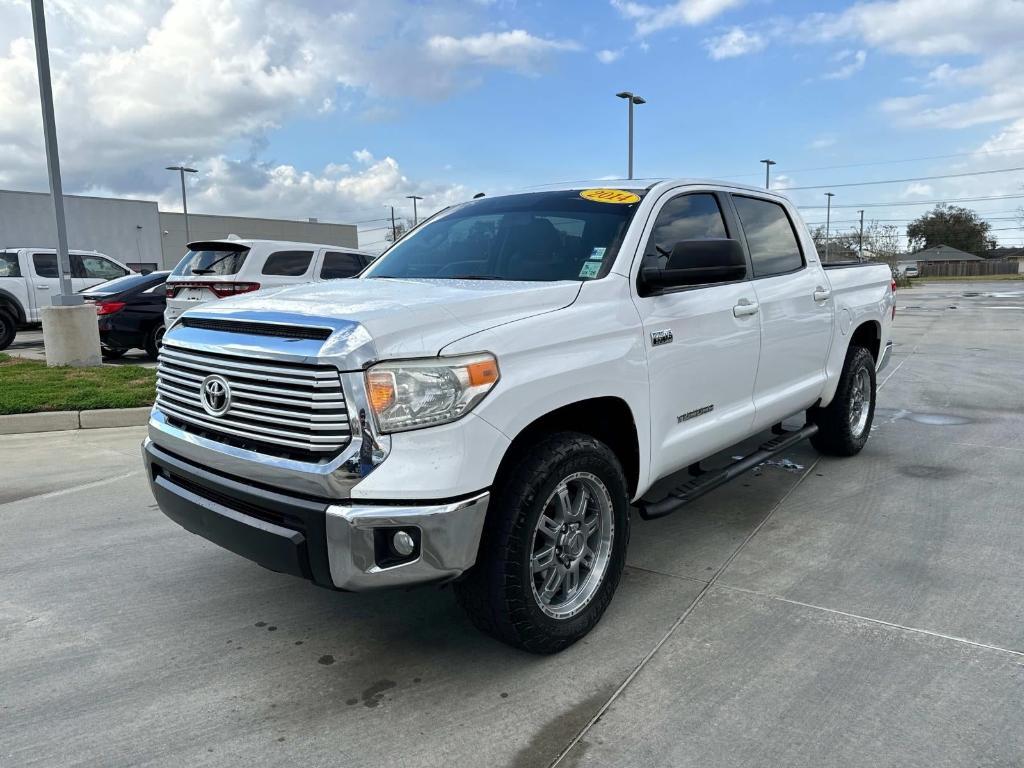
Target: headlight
(409,394)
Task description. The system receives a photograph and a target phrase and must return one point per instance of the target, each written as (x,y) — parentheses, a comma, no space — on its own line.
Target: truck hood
(404,318)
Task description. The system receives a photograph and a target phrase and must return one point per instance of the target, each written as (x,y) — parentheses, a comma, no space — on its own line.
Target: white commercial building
(137,233)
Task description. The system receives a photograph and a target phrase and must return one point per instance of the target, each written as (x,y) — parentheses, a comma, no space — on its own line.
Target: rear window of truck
(9,266)
(210,262)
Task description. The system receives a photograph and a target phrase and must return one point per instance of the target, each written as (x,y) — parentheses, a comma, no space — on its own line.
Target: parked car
(29,277)
(130,313)
(485,402)
(911,271)
(215,269)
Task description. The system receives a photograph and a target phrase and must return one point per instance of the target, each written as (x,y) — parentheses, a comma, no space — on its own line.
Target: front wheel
(553,547)
(844,425)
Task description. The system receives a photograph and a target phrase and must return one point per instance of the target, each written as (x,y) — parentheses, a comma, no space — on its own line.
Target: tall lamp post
(415,214)
(828,221)
(67,297)
(182,170)
(631,99)
(860,239)
(767,167)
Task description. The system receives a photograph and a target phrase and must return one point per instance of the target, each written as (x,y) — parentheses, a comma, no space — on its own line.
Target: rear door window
(338,265)
(773,246)
(45,264)
(211,262)
(9,266)
(98,268)
(288,263)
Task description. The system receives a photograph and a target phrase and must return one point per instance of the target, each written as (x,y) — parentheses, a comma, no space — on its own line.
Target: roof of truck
(644,184)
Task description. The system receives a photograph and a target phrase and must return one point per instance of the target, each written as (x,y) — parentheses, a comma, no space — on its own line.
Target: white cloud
(823,142)
(649,19)
(515,49)
(607,56)
(363,156)
(735,42)
(918,189)
(139,85)
(850,63)
(781,182)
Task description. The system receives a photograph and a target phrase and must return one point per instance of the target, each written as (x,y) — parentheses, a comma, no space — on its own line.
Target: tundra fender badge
(694,414)
(660,337)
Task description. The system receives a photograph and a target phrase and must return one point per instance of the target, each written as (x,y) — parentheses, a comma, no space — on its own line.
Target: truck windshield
(540,236)
(210,262)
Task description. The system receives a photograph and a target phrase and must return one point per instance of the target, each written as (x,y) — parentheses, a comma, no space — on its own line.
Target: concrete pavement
(820,612)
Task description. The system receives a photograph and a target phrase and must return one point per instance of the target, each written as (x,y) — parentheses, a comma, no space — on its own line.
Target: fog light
(403,544)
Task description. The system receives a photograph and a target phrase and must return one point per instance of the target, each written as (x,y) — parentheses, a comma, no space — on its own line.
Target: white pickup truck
(29,277)
(484,403)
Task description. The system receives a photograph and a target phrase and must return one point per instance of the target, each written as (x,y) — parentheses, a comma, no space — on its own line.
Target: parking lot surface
(816,612)
(29,344)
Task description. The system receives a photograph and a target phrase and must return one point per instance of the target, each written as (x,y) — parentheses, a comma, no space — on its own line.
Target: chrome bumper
(344,546)
(449,536)
(883,359)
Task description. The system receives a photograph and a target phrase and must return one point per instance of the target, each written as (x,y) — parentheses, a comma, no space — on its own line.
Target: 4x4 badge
(661,337)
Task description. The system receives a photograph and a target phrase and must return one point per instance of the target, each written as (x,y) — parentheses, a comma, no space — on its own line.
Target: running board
(708,481)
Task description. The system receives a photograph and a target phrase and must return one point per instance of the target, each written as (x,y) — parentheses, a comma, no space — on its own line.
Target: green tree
(953,226)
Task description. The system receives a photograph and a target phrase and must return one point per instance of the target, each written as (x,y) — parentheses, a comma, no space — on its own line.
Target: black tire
(8,329)
(499,592)
(112,354)
(154,340)
(839,432)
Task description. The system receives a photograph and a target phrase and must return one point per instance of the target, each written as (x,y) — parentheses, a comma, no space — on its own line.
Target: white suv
(216,269)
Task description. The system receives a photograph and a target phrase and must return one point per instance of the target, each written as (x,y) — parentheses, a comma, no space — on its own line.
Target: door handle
(745,307)
(42,287)
(821,294)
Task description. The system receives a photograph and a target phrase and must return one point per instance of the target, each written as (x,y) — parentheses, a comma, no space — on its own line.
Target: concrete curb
(56,421)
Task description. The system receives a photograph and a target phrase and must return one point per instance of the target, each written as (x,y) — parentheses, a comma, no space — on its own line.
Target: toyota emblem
(215,395)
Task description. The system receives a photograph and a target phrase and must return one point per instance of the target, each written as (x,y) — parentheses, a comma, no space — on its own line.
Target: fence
(967,268)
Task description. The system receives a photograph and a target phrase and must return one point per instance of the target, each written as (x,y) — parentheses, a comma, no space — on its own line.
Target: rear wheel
(553,547)
(8,329)
(844,425)
(154,340)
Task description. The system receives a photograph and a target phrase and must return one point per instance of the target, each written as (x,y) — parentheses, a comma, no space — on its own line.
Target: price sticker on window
(615,196)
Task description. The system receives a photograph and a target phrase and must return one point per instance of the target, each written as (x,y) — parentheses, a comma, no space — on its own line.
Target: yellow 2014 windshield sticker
(618,196)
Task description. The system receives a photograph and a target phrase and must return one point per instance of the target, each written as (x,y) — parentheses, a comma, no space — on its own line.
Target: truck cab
(29,278)
(491,402)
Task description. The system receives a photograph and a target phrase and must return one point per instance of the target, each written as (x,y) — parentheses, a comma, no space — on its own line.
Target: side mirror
(696,262)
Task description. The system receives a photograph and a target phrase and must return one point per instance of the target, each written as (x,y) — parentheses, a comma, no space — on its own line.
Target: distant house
(941,253)
(1004,252)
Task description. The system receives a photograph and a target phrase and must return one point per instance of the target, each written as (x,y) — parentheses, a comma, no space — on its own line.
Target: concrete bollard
(71,336)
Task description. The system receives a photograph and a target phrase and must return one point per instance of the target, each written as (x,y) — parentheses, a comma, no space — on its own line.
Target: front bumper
(342,546)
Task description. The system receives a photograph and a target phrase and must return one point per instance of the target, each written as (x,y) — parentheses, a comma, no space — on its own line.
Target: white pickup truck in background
(484,404)
(29,277)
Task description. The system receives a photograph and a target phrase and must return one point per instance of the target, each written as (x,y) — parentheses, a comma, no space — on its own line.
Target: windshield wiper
(208,269)
(473,277)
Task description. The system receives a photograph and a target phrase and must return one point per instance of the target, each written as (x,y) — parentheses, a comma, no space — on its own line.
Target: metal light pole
(394,227)
(182,170)
(415,215)
(828,222)
(860,240)
(631,99)
(767,167)
(67,297)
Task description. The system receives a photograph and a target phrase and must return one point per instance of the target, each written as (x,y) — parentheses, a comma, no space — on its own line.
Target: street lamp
(182,170)
(67,297)
(631,99)
(767,167)
(828,221)
(415,215)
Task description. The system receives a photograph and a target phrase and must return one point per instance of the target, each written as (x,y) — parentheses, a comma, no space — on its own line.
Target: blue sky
(313,108)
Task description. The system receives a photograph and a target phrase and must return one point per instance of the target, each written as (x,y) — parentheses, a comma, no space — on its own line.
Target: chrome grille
(291,409)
